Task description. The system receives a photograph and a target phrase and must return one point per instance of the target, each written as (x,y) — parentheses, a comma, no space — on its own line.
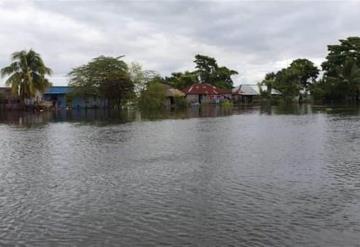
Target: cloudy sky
(253,37)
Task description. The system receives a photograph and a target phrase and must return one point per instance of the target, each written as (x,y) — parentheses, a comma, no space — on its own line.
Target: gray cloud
(252,37)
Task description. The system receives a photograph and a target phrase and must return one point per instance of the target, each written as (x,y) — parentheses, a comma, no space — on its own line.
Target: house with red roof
(199,93)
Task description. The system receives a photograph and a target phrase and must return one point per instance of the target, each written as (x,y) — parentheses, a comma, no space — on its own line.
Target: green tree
(338,54)
(306,70)
(106,77)
(223,77)
(181,80)
(153,97)
(117,89)
(205,68)
(344,85)
(269,83)
(340,80)
(26,74)
(141,77)
(208,71)
(287,82)
(293,80)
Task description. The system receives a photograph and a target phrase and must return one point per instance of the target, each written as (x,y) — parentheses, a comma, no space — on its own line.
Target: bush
(227,104)
(181,102)
(153,97)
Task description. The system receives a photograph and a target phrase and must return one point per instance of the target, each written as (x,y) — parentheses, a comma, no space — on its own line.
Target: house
(245,93)
(201,93)
(171,95)
(8,100)
(57,96)
(62,97)
(225,94)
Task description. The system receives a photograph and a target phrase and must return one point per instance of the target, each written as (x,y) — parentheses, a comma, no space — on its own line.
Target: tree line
(121,83)
(340,80)
(111,78)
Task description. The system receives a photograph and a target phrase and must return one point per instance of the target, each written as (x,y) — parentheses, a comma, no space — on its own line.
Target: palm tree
(26,74)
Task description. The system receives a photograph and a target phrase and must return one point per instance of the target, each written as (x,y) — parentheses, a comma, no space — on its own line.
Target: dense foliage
(292,81)
(206,71)
(153,97)
(26,74)
(105,77)
(341,80)
(110,78)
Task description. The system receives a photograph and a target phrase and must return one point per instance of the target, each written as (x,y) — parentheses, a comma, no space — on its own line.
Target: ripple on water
(242,180)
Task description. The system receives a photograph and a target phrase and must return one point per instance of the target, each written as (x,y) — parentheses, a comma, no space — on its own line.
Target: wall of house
(61,101)
(246,98)
(194,98)
(191,98)
(88,102)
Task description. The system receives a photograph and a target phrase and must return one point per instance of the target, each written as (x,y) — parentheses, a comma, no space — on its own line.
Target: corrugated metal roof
(58,90)
(248,90)
(201,88)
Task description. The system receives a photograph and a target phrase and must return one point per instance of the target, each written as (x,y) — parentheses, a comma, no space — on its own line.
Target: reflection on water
(28,119)
(249,176)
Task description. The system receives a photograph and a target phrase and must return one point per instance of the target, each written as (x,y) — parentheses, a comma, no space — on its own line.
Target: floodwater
(260,176)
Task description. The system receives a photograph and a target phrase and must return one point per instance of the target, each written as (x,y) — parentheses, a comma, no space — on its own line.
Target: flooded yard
(205,177)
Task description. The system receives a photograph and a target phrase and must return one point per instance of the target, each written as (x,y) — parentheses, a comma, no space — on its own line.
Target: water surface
(273,176)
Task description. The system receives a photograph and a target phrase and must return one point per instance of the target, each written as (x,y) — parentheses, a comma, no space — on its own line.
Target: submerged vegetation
(152,97)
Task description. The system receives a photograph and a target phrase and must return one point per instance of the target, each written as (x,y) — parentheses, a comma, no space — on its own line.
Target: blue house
(62,97)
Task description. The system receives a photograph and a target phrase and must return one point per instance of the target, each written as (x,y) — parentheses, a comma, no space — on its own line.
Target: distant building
(62,97)
(205,93)
(245,93)
(172,94)
(8,100)
(225,94)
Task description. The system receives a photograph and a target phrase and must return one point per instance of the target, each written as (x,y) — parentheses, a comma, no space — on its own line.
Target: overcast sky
(253,37)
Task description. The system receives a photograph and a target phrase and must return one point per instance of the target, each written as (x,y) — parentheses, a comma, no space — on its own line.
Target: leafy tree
(86,79)
(341,72)
(117,89)
(287,82)
(153,97)
(269,83)
(208,71)
(292,80)
(141,77)
(106,77)
(181,80)
(205,68)
(338,54)
(344,85)
(306,70)
(27,74)
(223,77)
